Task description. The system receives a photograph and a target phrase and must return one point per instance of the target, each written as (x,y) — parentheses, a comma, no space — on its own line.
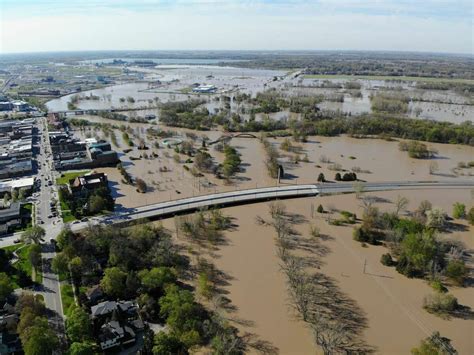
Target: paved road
(52,225)
(255,195)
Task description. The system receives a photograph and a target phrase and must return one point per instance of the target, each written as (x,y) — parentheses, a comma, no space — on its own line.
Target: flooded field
(391,302)
(173,82)
(166,177)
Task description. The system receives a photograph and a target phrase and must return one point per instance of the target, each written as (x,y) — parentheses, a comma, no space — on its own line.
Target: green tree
(457,271)
(181,311)
(470,215)
(78,325)
(155,279)
(97,204)
(85,348)
(39,338)
(113,282)
(321,177)
(60,263)
(33,235)
(75,265)
(434,345)
(459,210)
(417,251)
(6,286)
(167,344)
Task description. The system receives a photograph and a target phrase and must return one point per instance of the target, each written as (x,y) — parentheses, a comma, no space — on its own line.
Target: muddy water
(391,302)
(381,161)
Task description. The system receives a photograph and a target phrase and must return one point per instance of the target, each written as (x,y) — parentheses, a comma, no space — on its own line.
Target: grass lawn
(65,177)
(382,77)
(23,263)
(67,296)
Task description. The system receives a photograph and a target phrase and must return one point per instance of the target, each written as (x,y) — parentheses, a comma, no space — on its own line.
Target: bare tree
(401,204)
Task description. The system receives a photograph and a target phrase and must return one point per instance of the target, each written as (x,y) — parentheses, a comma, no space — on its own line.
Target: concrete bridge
(187,205)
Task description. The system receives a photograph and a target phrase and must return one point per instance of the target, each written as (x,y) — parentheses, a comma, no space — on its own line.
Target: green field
(399,78)
(64,179)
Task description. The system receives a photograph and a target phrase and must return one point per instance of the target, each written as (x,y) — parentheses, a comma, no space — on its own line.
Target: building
(205,89)
(6,106)
(113,332)
(20,106)
(10,185)
(12,168)
(10,218)
(83,184)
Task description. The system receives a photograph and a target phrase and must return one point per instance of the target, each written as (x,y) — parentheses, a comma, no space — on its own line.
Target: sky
(444,26)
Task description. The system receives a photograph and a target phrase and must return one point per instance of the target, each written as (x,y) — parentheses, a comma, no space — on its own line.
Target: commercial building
(84,184)
(205,89)
(10,218)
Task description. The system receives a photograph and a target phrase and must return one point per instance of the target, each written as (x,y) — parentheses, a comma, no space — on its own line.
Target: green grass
(67,297)
(12,248)
(387,77)
(67,216)
(64,179)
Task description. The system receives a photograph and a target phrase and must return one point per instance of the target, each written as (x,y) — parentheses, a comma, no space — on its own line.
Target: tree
(60,263)
(457,271)
(459,210)
(85,348)
(33,235)
(75,265)
(321,177)
(203,161)
(6,286)
(400,204)
(166,344)
(155,279)
(470,215)
(78,325)
(34,255)
(338,177)
(97,204)
(181,311)
(113,282)
(39,338)
(141,185)
(434,345)
(418,250)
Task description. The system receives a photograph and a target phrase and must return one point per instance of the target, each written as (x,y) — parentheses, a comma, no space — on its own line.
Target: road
(52,225)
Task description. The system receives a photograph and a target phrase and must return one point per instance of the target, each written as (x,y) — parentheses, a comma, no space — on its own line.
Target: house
(113,334)
(81,185)
(116,323)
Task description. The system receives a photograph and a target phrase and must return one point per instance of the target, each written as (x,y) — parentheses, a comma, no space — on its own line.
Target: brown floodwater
(391,302)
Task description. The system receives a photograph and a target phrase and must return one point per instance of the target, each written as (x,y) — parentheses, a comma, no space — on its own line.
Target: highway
(169,208)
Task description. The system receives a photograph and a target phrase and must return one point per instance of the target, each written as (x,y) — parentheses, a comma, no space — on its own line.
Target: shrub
(321,177)
(338,177)
(459,210)
(320,209)
(387,260)
(440,303)
(438,286)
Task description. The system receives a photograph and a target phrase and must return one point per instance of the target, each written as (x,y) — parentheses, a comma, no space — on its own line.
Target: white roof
(8,185)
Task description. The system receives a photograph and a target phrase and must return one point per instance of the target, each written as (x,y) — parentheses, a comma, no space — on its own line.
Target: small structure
(94,294)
